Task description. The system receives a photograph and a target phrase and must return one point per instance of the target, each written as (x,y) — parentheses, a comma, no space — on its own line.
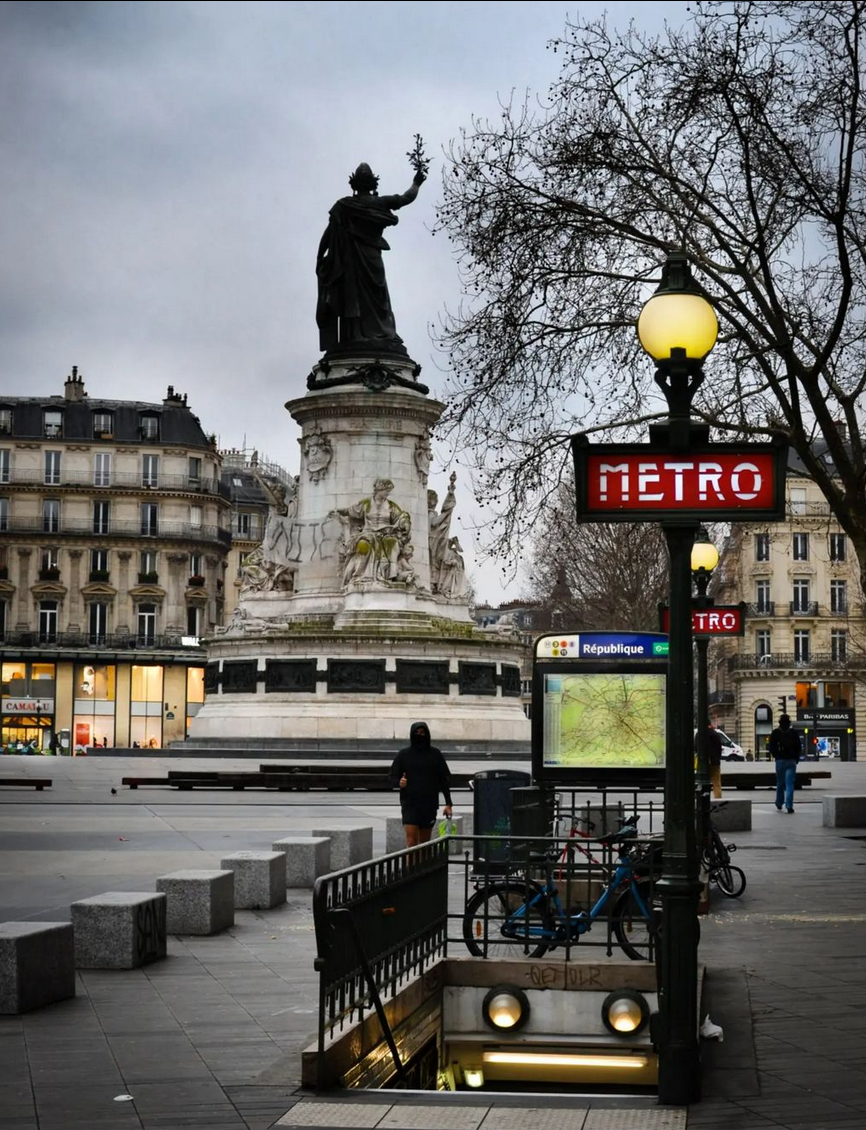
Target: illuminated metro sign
(719,482)
(718,620)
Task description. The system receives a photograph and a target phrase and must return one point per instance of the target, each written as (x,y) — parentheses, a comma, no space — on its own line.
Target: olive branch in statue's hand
(418,161)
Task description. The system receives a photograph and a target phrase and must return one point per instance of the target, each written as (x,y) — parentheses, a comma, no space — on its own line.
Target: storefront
(28,706)
(828,731)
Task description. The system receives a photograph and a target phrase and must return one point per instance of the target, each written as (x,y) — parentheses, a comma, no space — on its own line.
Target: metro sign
(722,482)
(717,620)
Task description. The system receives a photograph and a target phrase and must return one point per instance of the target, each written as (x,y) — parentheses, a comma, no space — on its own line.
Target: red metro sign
(717,620)
(639,482)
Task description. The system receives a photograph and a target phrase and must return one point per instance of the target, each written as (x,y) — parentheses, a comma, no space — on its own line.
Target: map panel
(604,720)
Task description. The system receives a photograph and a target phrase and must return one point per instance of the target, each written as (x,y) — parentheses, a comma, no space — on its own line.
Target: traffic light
(782,701)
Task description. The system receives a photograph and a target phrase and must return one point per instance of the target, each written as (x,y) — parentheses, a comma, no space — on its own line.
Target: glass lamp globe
(504,1010)
(677,320)
(704,554)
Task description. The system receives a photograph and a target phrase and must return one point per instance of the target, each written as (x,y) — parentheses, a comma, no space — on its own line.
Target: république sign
(719,482)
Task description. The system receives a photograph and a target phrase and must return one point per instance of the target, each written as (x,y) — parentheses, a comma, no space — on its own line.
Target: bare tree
(609,577)
(740,140)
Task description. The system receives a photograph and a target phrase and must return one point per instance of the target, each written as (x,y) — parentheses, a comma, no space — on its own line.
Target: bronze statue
(354,306)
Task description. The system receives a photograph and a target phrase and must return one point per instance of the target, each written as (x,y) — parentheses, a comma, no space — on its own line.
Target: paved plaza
(212,1036)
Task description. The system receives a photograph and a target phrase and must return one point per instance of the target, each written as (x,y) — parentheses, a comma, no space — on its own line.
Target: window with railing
(800,547)
(147,567)
(150,470)
(48,621)
(194,470)
(101,517)
(148,426)
(146,624)
(762,547)
(52,468)
(5,464)
(49,564)
(103,425)
(4,514)
(149,519)
(102,469)
(51,516)
(762,596)
(797,500)
(838,547)
(97,623)
(763,642)
(802,645)
(193,621)
(839,597)
(839,646)
(800,596)
(52,423)
(99,565)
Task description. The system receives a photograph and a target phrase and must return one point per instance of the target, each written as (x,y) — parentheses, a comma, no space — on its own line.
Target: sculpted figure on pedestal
(270,567)
(423,457)
(317,454)
(440,530)
(378,534)
(354,304)
(452,574)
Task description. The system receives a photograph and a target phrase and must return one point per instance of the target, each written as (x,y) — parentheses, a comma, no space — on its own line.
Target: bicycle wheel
(635,934)
(500,923)
(730,880)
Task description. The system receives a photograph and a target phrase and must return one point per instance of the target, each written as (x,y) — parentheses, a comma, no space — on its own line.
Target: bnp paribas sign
(721,482)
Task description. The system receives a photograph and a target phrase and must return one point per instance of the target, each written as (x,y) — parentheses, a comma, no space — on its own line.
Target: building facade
(803,646)
(113,540)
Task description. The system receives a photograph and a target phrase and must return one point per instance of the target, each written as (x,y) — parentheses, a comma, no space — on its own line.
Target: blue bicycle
(512,915)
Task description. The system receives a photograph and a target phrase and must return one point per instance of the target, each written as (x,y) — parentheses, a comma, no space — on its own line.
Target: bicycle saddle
(628,831)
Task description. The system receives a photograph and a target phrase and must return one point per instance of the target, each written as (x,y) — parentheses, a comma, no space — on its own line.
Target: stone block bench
(119,930)
(843,811)
(349,846)
(305,859)
(260,878)
(198,902)
(736,816)
(37,965)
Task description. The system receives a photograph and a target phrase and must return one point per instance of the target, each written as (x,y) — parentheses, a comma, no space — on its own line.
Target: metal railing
(720,698)
(117,527)
(762,608)
(108,641)
(817,659)
(804,607)
(129,480)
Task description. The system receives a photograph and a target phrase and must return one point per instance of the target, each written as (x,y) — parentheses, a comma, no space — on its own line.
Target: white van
(730,750)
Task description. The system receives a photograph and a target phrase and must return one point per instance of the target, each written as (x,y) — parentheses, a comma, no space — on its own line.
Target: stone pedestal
(37,965)
(119,930)
(352,621)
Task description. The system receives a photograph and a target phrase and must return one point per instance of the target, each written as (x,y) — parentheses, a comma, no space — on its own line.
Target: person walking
(421,773)
(786,748)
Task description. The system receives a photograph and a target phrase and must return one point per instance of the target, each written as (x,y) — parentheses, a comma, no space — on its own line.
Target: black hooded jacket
(426,771)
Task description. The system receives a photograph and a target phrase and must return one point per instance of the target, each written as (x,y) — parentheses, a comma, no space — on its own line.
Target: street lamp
(704,559)
(678,328)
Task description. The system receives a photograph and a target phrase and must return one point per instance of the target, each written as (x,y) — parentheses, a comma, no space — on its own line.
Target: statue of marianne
(354,305)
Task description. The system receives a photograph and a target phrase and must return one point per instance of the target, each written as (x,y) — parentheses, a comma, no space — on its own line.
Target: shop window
(806,694)
(839,694)
(763,729)
(194,693)
(95,681)
(146,684)
(14,679)
(145,707)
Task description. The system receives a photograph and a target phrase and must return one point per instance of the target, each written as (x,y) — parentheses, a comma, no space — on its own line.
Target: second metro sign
(722,482)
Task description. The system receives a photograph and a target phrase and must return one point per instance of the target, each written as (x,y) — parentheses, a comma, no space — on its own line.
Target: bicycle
(730,880)
(530,913)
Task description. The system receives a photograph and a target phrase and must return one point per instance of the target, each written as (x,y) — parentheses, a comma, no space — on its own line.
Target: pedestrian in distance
(421,773)
(714,757)
(787,748)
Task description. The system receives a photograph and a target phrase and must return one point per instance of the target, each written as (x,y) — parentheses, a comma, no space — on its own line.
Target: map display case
(598,709)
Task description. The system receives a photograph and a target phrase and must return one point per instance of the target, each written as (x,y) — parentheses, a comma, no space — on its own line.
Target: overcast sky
(167,170)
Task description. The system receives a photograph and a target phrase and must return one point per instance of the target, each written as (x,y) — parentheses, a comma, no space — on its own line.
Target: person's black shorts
(419,814)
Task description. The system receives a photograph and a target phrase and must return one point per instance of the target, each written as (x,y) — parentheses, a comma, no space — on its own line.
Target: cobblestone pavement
(211,1037)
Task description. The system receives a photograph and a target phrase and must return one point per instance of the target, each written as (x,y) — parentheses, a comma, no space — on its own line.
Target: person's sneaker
(778,808)
(790,810)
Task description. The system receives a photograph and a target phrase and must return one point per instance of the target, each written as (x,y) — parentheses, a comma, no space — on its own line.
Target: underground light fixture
(505,1008)
(625,1012)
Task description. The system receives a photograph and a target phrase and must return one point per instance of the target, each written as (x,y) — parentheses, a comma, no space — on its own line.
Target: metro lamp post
(678,328)
(704,559)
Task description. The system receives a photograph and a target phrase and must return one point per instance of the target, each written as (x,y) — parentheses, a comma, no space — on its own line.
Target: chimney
(73,389)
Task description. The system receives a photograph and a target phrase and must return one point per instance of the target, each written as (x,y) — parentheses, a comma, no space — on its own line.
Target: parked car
(730,750)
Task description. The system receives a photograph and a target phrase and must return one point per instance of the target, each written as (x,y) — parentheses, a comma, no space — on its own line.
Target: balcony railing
(804,607)
(762,608)
(129,480)
(121,528)
(117,641)
(720,698)
(818,659)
